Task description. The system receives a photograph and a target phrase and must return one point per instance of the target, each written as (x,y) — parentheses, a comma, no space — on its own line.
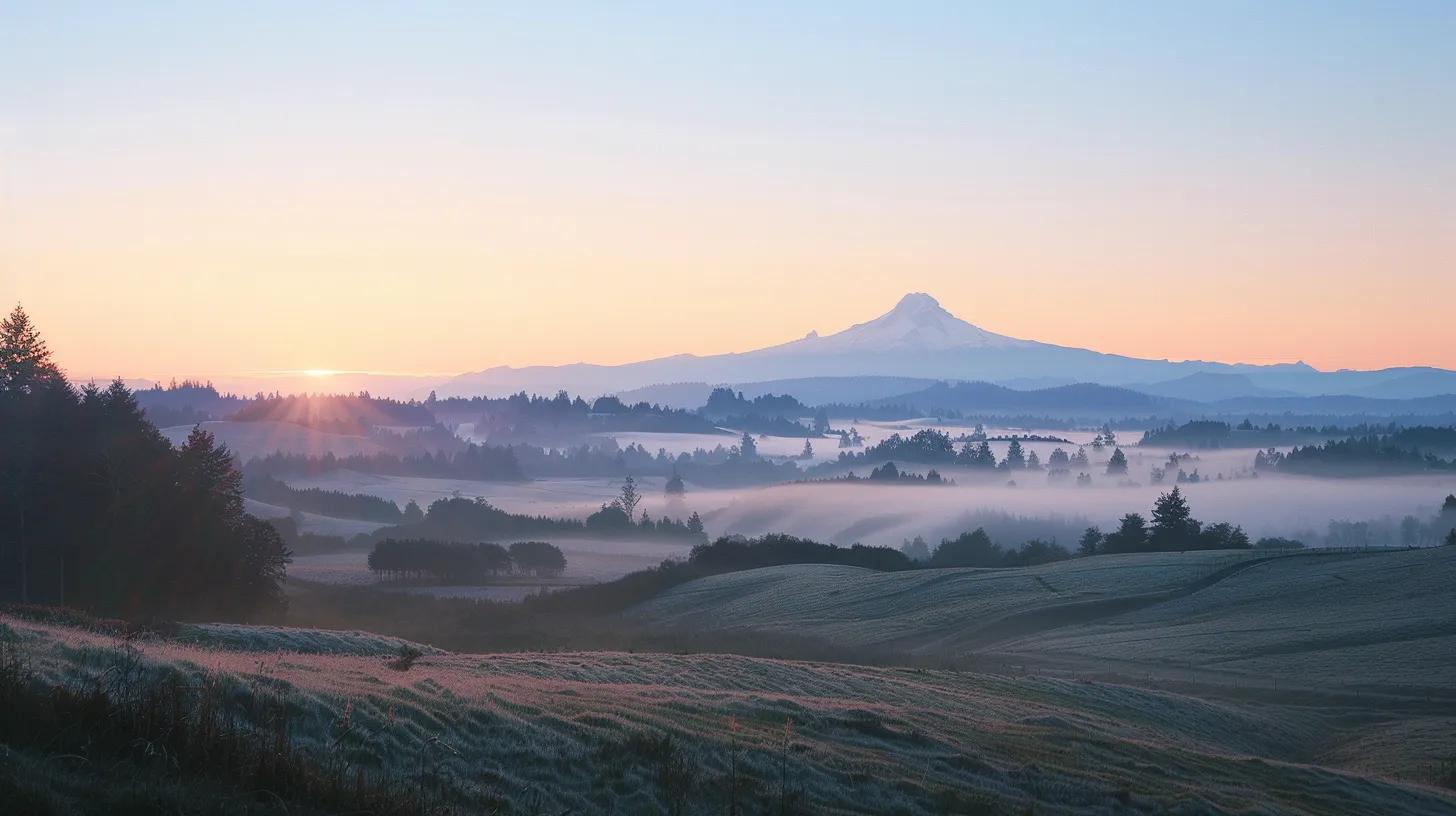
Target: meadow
(618,732)
(1358,619)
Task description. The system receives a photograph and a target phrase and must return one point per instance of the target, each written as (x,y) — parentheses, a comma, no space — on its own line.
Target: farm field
(594,732)
(1375,619)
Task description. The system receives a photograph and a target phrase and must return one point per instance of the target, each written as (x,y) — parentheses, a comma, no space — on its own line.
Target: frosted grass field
(557,730)
(918,610)
(1372,619)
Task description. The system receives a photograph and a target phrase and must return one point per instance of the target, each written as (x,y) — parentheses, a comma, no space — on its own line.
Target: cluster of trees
(336,503)
(931,446)
(725,402)
(775,415)
(1205,433)
(890,474)
(462,563)
(1369,455)
(98,511)
(976,549)
(1173,529)
(186,403)
(733,553)
(733,465)
(727,554)
(461,519)
(617,516)
(530,418)
(485,463)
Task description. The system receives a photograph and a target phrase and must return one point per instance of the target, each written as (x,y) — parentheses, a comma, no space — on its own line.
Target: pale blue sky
(549,158)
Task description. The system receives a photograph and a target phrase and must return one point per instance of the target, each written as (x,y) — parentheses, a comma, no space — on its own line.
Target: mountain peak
(917,323)
(916,302)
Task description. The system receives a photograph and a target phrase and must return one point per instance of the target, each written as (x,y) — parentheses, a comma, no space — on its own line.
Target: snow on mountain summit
(918,322)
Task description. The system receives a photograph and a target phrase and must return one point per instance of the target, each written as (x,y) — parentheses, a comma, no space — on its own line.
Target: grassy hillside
(1385,619)
(1365,618)
(917,610)
(598,732)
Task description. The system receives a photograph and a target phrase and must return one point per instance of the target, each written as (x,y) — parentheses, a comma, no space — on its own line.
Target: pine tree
(1117,465)
(25,362)
(1015,458)
(747,448)
(695,526)
(1174,527)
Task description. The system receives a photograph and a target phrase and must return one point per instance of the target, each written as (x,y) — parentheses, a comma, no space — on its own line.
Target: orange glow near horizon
(387,191)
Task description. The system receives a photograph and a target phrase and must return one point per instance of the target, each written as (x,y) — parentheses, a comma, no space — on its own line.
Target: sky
(213,188)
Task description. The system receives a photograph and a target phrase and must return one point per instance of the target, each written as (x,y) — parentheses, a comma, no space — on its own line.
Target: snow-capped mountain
(920,339)
(917,323)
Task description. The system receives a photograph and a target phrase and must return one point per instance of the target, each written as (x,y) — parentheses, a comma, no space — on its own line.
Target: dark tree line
(485,463)
(463,563)
(1369,455)
(100,512)
(888,473)
(530,418)
(336,503)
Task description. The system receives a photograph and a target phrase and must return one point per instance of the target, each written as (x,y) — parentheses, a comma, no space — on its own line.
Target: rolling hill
(1316,617)
(655,733)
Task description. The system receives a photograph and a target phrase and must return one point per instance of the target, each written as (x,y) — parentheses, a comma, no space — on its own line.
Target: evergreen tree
(695,526)
(1015,458)
(98,511)
(1173,528)
(25,361)
(972,549)
(1090,542)
(916,550)
(1130,536)
(412,513)
(747,448)
(1117,465)
(674,486)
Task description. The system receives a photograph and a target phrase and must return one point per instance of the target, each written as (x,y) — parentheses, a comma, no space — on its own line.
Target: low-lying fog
(888,514)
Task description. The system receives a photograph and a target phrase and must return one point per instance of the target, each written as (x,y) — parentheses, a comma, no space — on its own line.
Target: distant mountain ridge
(920,340)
